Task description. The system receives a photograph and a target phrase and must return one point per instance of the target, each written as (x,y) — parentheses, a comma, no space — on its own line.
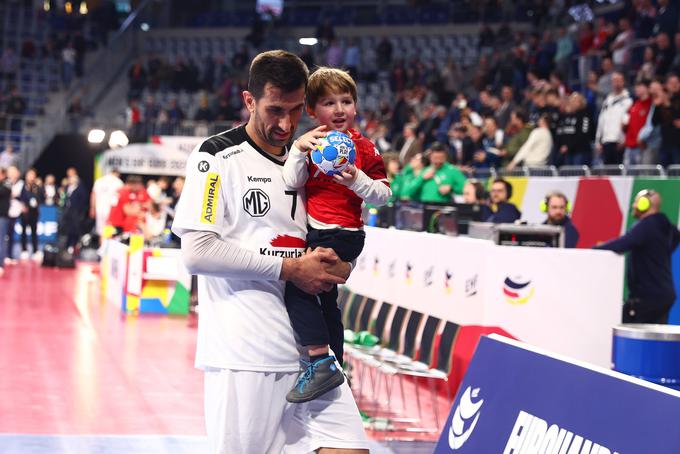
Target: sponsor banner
(182,144)
(116,272)
(517,399)
(143,159)
(542,296)
(47,225)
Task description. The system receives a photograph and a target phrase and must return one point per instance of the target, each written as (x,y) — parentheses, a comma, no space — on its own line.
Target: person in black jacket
(31,196)
(75,208)
(504,212)
(575,132)
(651,243)
(5,196)
(557,208)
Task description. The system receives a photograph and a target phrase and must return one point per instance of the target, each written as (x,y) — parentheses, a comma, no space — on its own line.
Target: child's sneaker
(315,380)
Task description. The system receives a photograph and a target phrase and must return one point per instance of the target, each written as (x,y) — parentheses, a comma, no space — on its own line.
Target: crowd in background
(130,207)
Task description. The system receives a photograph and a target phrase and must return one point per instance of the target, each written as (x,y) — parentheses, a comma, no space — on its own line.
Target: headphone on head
(644,200)
(546,201)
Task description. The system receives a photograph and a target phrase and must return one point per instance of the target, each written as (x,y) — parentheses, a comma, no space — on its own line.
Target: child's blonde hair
(326,80)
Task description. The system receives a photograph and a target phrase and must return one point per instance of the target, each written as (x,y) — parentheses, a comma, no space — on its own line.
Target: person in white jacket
(536,150)
(610,138)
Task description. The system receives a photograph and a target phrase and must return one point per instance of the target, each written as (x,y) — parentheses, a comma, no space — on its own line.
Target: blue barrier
(48,216)
(515,399)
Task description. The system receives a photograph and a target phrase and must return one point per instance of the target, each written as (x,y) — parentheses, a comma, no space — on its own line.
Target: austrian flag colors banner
(516,399)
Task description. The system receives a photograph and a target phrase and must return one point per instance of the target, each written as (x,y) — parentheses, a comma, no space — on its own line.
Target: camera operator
(504,212)
(556,206)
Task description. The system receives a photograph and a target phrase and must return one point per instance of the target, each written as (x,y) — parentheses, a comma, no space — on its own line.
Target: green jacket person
(438,182)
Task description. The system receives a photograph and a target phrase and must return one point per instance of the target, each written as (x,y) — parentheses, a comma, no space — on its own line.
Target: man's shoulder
(224,141)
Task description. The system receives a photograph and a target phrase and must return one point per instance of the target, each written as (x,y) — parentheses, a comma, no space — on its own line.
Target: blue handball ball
(335,152)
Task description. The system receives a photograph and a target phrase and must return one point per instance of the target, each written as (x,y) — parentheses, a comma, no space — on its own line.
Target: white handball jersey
(235,189)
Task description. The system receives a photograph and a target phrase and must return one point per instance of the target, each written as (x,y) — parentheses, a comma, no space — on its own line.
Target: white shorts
(246,412)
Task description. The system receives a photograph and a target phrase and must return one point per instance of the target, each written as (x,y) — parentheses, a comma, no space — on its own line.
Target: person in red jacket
(637,117)
(334,218)
(133,203)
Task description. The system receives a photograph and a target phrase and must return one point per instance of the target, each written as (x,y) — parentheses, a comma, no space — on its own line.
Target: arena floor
(80,377)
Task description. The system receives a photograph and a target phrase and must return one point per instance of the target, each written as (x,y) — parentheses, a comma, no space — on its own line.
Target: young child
(334,218)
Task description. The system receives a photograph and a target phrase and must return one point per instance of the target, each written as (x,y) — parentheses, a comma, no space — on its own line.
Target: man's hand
(309,272)
(310,139)
(445,189)
(429,173)
(340,269)
(347,177)
(479,156)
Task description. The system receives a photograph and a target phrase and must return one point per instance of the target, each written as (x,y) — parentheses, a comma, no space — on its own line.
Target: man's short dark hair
(283,70)
(522,115)
(506,183)
(438,146)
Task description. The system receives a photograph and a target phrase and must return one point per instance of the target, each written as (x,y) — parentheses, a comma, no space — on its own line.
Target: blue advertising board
(516,399)
(47,225)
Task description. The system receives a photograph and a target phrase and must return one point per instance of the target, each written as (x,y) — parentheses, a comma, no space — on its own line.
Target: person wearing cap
(651,243)
(556,207)
(438,182)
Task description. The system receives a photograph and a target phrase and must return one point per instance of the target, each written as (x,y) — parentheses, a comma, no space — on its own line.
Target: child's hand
(310,139)
(348,176)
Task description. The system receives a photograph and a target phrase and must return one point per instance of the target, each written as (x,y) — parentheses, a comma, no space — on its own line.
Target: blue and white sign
(516,399)
(47,225)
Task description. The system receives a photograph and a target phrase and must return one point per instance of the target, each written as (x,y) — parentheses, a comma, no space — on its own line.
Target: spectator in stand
(175,113)
(135,127)
(536,150)
(16,208)
(604,82)
(15,107)
(334,54)
(474,193)
(667,117)
(575,133)
(493,141)
(68,64)
(384,52)
(9,64)
(648,69)
(521,129)
(675,64)
(412,144)
(50,194)
(645,18)
(5,197)
(620,48)
(103,197)
(31,198)
(609,139)
(507,106)
(133,203)
(503,212)
(650,242)
(410,172)
(439,182)
(204,113)
(7,157)
(664,54)
(557,208)
(137,79)
(634,121)
(564,50)
(667,17)
(353,58)
(585,44)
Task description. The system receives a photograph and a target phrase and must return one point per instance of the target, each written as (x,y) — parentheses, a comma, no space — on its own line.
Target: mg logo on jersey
(256,203)
(465,411)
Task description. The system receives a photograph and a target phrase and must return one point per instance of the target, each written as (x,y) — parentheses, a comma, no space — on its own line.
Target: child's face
(335,110)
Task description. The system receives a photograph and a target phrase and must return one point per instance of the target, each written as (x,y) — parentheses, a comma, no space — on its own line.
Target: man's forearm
(207,254)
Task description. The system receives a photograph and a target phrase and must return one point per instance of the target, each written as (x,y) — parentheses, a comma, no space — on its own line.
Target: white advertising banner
(144,159)
(182,144)
(564,300)
(117,256)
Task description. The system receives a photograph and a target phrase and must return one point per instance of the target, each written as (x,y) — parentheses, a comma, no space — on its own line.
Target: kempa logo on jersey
(259,179)
(212,188)
(285,246)
(531,434)
(465,411)
(203,166)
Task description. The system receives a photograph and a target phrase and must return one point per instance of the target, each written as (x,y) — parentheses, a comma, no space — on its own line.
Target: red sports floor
(72,364)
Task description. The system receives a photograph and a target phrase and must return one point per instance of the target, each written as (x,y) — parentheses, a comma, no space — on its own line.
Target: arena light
(96,136)
(308,41)
(83,8)
(68,7)
(118,139)
(144,26)
(46,5)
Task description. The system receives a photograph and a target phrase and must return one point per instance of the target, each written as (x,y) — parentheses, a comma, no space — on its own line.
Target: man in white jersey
(243,232)
(104,196)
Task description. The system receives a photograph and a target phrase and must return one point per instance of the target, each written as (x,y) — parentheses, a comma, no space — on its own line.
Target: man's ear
(249,101)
